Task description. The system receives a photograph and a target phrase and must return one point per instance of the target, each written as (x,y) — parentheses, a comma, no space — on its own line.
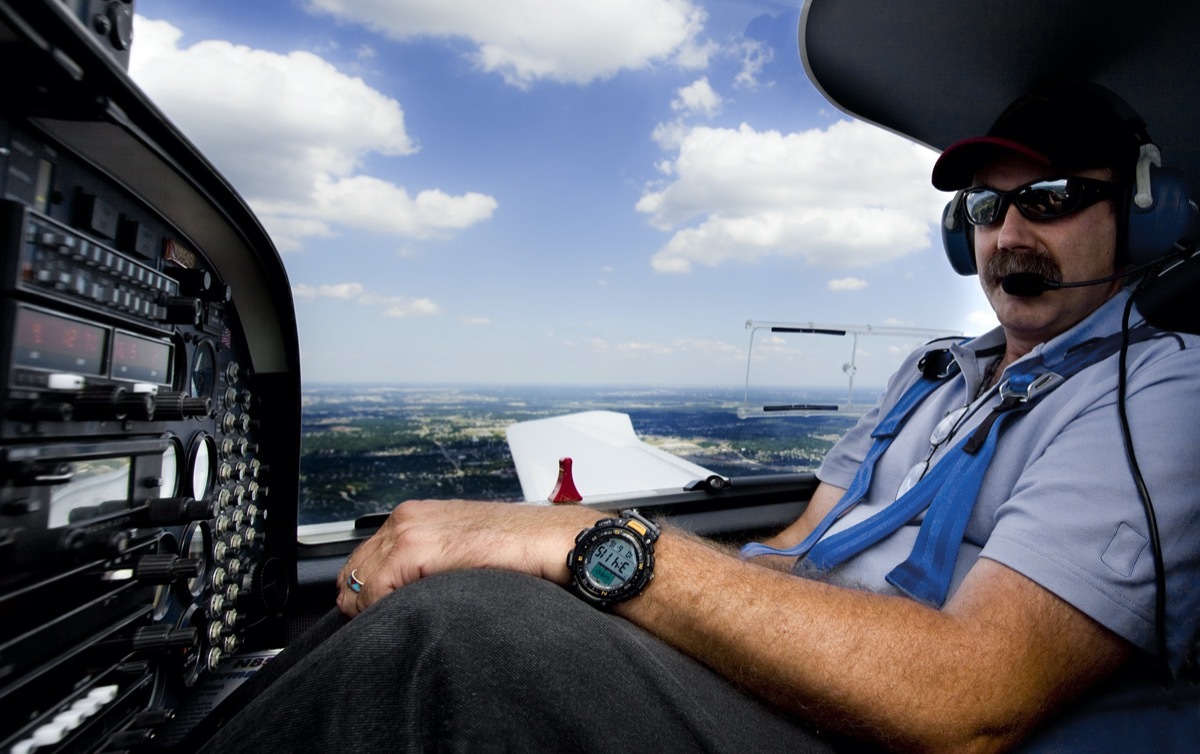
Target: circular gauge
(204,371)
(197,544)
(169,472)
(162,601)
(193,664)
(201,460)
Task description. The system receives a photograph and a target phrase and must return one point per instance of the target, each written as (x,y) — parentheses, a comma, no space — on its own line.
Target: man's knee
(466,597)
(482,614)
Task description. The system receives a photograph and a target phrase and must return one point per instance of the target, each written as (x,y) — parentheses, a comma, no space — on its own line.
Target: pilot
(976,571)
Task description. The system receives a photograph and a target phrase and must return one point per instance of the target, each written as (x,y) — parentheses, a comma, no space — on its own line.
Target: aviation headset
(1159,209)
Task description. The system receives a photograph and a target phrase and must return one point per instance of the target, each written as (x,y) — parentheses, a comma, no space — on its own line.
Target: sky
(557,191)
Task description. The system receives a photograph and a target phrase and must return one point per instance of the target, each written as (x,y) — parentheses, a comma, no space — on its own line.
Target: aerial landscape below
(367,448)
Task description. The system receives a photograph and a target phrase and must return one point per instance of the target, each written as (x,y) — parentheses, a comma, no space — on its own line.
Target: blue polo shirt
(1058,503)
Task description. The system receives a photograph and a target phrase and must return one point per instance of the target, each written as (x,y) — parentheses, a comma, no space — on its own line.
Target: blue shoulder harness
(948,492)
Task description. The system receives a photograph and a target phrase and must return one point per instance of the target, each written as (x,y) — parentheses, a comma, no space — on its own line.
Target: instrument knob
(164,568)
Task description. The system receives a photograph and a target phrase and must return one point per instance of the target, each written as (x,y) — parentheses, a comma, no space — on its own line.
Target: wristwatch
(614,560)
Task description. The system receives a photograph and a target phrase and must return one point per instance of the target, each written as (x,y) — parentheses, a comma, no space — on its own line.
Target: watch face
(614,560)
(610,563)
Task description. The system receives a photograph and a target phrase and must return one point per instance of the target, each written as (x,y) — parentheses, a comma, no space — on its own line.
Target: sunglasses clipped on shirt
(1038,201)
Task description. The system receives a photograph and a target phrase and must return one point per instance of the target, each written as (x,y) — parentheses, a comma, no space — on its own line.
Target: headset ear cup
(1174,216)
(957,238)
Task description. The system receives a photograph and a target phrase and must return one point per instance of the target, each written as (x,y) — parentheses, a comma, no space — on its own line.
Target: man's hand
(424,537)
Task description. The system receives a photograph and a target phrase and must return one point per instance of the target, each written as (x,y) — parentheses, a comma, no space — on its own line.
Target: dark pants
(494,661)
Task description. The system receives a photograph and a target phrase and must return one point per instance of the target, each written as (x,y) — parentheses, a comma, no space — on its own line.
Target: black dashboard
(149,414)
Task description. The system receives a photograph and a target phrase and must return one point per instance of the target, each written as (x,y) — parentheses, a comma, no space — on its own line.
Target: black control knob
(102,403)
(136,406)
(176,405)
(141,733)
(131,738)
(182,310)
(120,31)
(45,411)
(192,282)
(43,549)
(152,717)
(266,586)
(201,284)
(164,568)
(177,510)
(164,638)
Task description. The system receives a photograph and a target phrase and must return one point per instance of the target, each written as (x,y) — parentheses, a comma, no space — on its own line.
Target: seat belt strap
(883,435)
(949,490)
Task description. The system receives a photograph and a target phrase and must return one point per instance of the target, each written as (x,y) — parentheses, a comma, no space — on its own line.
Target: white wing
(609,461)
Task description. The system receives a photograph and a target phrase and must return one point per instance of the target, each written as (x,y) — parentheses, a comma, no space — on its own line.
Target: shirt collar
(1104,321)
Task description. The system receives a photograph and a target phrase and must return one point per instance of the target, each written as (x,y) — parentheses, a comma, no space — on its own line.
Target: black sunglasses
(1038,200)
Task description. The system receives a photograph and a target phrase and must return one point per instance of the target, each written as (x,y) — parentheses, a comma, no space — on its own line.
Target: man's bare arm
(976,675)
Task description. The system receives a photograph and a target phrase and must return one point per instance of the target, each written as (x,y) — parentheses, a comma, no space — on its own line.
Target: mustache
(1006,262)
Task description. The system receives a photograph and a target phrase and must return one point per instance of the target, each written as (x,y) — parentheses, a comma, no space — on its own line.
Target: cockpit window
(547,208)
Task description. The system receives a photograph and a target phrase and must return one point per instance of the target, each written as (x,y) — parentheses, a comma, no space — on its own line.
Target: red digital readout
(142,359)
(47,341)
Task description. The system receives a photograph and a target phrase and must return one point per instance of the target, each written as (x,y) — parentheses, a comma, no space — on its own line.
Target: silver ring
(354,583)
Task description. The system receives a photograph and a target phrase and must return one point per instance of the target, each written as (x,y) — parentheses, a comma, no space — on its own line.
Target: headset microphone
(1031,284)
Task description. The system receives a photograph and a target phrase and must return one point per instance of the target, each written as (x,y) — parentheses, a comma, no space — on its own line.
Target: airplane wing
(609,460)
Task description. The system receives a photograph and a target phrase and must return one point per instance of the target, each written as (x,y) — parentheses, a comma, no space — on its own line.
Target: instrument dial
(204,371)
(169,473)
(197,544)
(201,464)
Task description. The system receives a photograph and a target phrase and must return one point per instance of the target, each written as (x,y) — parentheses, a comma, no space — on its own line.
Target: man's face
(1079,246)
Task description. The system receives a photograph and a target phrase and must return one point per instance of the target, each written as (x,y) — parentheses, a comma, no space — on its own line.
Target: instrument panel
(149,408)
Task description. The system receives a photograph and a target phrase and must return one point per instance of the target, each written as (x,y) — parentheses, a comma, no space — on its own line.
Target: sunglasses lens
(983,206)
(1047,200)
(1040,200)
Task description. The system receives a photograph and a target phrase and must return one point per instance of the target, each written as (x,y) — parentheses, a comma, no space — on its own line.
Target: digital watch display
(613,560)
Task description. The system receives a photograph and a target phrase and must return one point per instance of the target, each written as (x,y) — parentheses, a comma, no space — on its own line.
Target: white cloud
(475,321)
(846,284)
(754,56)
(388,306)
(339,290)
(710,347)
(374,204)
(287,231)
(698,98)
(290,132)
(702,346)
(643,347)
(848,196)
(572,41)
(400,307)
